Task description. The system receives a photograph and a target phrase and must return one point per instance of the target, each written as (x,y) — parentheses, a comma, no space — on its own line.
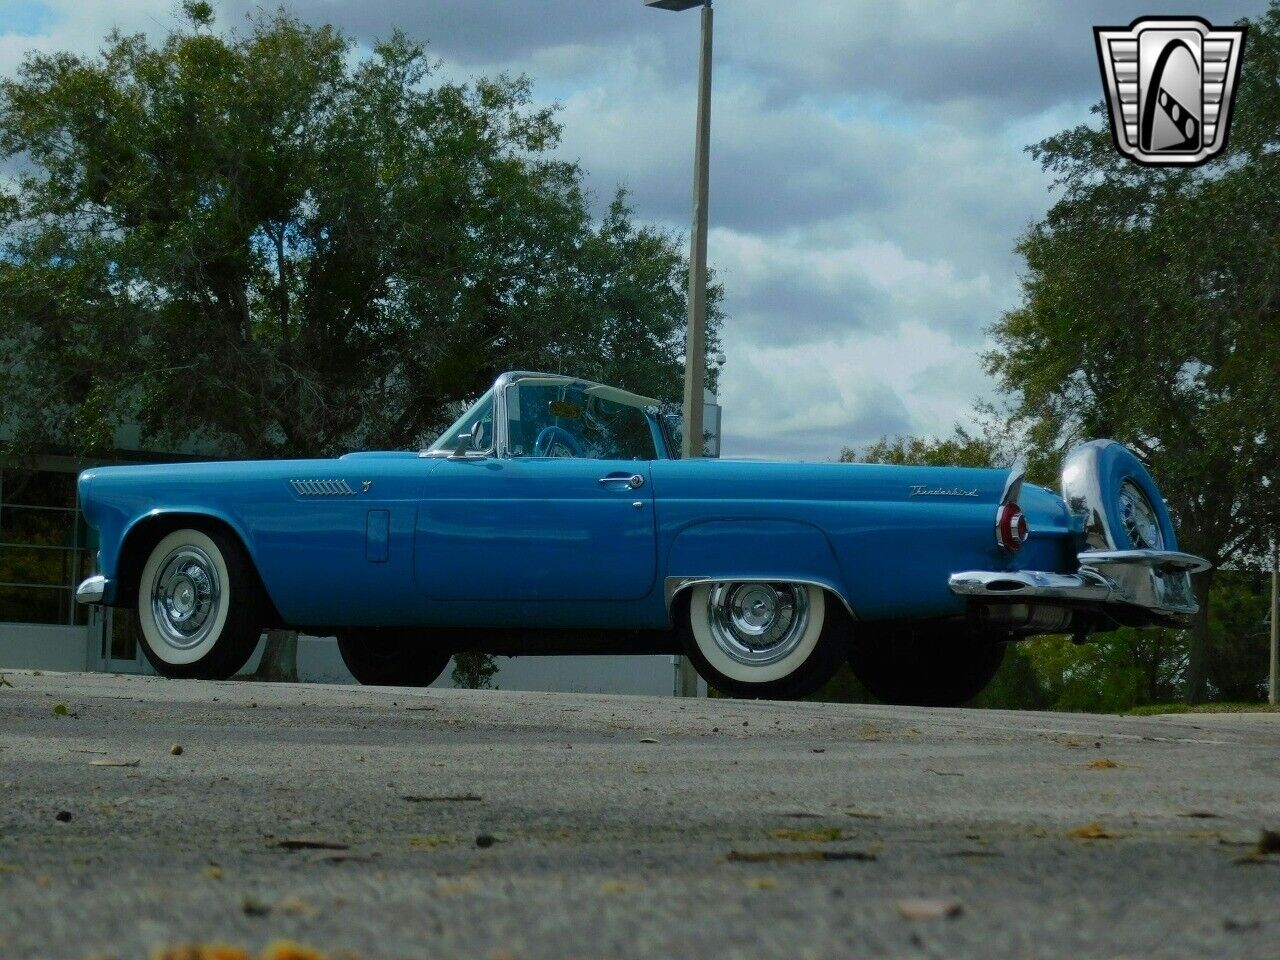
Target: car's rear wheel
(391,658)
(764,640)
(200,611)
(925,666)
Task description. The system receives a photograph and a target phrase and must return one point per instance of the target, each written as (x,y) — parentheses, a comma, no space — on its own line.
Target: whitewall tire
(754,639)
(198,605)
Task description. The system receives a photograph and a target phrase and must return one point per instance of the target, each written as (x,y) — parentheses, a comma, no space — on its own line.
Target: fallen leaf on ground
(113,762)
(288,950)
(213,872)
(295,906)
(197,951)
(60,710)
(176,750)
(445,798)
(1199,814)
(1091,831)
(928,908)
(824,835)
(862,814)
(305,843)
(1103,763)
(432,840)
(796,856)
(1268,843)
(648,740)
(619,886)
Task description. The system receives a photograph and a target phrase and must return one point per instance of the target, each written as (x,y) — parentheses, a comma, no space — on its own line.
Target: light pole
(695,353)
(1273,695)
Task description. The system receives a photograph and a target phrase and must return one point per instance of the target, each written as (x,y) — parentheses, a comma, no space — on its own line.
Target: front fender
(113,547)
(752,549)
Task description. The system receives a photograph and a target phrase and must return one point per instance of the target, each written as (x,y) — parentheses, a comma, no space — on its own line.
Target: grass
(1154,709)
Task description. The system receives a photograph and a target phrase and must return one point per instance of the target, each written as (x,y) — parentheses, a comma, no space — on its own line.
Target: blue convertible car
(553,517)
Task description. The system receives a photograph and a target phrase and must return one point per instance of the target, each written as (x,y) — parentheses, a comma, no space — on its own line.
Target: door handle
(634,481)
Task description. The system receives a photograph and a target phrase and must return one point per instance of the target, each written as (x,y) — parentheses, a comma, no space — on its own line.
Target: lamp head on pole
(676,5)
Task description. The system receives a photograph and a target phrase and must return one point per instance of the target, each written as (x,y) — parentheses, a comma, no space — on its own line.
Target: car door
(538,528)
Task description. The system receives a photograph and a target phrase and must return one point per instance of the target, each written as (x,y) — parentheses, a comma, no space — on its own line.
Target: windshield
(477,421)
(559,418)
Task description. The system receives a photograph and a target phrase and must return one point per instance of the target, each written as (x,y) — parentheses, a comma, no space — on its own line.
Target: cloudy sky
(868,173)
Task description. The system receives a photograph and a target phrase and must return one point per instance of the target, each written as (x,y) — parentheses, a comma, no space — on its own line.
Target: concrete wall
(320,662)
(36,647)
(39,647)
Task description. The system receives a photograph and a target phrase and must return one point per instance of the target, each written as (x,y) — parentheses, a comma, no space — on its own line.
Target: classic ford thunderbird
(554,517)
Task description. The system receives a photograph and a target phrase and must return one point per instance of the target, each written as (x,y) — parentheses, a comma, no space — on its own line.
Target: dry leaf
(176,750)
(201,951)
(432,840)
(213,872)
(287,950)
(796,856)
(1103,763)
(619,886)
(1091,831)
(927,908)
(824,835)
(295,906)
(113,762)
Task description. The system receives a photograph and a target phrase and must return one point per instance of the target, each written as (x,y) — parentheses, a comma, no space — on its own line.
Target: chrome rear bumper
(1133,587)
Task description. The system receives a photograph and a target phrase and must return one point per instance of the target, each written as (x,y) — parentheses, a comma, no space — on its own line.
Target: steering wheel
(556,441)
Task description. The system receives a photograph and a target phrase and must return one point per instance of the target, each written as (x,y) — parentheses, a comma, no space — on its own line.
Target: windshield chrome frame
(501,446)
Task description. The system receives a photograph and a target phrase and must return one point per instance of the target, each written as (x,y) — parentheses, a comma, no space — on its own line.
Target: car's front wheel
(391,658)
(927,665)
(764,640)
(199,612)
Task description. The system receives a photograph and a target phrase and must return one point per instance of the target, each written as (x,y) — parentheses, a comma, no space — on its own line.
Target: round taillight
(1011,527)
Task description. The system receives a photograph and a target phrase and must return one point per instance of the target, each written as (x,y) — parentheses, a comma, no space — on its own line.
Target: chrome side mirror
(464,447)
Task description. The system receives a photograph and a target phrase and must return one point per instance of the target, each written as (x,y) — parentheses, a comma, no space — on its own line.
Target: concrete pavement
(403,824)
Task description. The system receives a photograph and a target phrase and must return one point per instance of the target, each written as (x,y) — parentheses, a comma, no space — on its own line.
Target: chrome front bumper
(1134,587)
(92,590)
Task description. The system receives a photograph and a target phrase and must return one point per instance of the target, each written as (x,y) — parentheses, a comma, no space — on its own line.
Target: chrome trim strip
(92,590)
(674,585)
(1013,486)
(1157,581)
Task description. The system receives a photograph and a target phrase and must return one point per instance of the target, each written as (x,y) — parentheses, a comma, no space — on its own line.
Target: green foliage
(961,449)
(474,671)
(264,243)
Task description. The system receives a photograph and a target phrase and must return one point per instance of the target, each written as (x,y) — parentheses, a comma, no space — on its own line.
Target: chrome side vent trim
(322,488)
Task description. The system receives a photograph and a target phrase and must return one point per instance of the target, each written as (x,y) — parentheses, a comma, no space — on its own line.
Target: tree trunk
(1198,661)
(279,658)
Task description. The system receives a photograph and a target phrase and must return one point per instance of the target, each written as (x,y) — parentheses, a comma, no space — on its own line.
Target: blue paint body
(533,542)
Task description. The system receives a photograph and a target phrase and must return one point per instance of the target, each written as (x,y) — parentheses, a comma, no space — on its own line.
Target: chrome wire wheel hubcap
(1139,518)
(185,595)
(758,623)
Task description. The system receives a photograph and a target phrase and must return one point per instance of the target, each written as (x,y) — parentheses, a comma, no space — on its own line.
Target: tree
(259,243)
(961,449)
(1149,317)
